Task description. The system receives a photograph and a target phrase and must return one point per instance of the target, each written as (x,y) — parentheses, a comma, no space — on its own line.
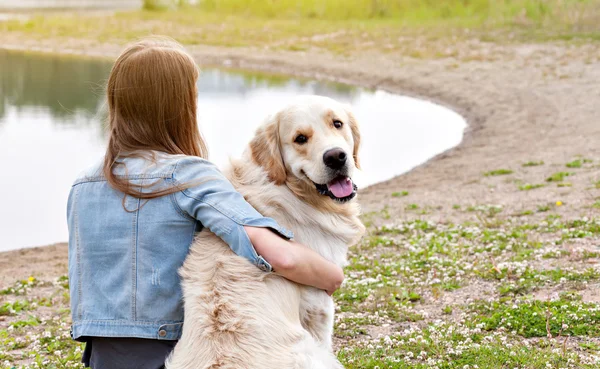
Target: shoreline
(234,61)
(477,98)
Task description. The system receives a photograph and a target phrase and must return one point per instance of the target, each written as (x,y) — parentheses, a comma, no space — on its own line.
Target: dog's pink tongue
(341,187)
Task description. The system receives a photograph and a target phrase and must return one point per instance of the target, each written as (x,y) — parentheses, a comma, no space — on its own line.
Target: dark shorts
(126,353)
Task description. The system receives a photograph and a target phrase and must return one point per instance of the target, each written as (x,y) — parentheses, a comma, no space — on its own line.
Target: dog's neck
(295,205)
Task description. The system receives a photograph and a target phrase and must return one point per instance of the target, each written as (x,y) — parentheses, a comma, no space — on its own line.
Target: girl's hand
(296,262)
(336,284)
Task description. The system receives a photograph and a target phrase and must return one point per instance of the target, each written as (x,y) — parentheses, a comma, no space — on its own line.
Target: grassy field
(491,280)
(415,12)
(334,25)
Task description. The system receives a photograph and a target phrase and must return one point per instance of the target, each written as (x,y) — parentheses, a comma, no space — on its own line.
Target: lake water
(51,128)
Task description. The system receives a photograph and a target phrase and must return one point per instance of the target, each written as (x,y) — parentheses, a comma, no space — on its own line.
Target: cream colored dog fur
(237,316)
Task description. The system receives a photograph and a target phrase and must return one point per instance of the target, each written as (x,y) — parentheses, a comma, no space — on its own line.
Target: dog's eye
(338,124)
(301,139)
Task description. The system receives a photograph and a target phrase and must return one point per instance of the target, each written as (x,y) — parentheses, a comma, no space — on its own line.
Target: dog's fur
(237,316)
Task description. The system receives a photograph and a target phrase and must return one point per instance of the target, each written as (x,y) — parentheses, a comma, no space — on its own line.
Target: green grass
(20,287)
(340,26)
(408,11)
(27,337)
(565,316)
(12,308)
(532,163)
(407,281)
(443,252)
(543,208)
(558,177)
(578,163)
(154,5)
(489,210)
(498,172)
(575,164)
(400,194)
(528,186)
(416,347)
(530,280)
(30,321)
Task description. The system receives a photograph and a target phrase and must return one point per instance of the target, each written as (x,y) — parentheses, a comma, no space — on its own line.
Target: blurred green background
(340,26)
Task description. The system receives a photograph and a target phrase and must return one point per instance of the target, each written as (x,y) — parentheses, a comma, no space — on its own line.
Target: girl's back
(132,218)
(123,264)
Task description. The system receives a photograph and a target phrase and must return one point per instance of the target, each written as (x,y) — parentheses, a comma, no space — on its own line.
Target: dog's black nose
(335,158)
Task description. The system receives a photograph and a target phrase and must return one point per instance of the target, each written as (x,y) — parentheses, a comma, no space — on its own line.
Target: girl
(132,218)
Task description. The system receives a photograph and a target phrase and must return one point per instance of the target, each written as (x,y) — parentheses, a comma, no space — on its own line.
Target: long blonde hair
(152,107)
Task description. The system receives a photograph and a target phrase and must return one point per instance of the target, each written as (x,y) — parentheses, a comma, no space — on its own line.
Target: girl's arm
(296,262)
(215,203)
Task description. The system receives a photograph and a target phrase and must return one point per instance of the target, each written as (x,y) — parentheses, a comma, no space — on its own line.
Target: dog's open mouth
(341,189)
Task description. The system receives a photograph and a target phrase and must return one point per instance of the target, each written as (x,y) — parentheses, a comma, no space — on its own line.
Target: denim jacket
(123,264)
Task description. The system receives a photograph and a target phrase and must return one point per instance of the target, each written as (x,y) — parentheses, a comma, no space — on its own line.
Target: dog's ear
(266,150)
(355,136)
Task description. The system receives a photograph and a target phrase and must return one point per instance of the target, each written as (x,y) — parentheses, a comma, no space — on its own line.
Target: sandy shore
(522,102)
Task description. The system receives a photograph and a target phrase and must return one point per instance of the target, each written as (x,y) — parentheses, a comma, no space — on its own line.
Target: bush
(163,4)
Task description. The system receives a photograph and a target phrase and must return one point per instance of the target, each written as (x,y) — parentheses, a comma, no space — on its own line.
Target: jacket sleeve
(215,203)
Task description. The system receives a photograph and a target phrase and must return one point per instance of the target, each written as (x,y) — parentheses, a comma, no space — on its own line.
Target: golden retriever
(297,170)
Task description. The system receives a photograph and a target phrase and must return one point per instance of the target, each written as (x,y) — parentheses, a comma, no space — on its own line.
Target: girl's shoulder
(92,173)
(191,168)
(148,165)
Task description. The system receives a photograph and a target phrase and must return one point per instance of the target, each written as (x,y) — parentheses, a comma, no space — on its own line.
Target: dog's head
(311,145)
